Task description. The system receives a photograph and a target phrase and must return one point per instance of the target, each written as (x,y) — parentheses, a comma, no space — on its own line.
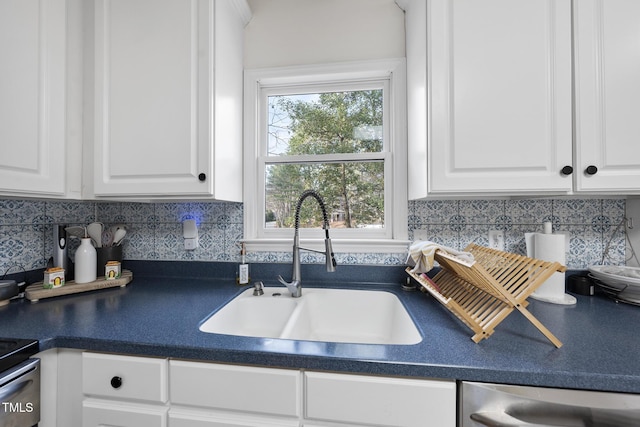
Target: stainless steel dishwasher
(494,405)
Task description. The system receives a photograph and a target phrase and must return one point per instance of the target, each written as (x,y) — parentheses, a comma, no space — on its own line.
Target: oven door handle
(501,419)
(9,391)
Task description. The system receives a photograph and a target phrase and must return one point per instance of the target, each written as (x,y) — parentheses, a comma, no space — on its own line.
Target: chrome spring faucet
(295,286)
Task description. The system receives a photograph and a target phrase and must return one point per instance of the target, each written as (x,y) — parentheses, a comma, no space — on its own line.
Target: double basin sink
(320,314)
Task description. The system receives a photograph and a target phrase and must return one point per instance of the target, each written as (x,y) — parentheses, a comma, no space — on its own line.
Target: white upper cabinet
(168,98)
(491,109)
(34,154)
(607,82)
(489,85)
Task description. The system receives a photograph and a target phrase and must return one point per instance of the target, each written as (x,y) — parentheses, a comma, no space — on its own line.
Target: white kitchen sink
(320,314)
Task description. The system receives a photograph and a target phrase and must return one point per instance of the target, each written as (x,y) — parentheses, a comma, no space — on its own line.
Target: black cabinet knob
(567,170)
(591,170)
(202,177)
(116,382)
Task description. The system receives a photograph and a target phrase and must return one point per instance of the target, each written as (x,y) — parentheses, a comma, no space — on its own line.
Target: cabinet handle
(116,382)
(567,170)
(202,177)
(591,170)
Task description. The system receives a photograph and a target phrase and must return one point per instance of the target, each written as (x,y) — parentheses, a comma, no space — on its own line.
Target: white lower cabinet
(128,391)
(227,395)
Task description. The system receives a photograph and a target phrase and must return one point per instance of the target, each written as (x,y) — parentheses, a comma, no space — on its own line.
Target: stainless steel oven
(20,395)
(19,383)
(493,405)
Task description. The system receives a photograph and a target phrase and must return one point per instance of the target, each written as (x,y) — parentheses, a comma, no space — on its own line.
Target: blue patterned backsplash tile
(593,224)
(155,229)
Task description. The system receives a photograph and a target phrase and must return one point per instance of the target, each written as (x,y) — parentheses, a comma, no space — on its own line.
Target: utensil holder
(106,254)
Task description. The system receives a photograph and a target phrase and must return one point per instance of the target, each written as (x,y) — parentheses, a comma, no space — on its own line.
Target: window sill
(339,245)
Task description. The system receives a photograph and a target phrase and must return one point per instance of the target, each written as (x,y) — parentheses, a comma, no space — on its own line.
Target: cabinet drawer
(99,413)
(237,388)
(379,401)
(124,377)
(189,417)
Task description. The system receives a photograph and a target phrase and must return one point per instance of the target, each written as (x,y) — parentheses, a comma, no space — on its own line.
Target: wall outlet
(191,244)
(496,239)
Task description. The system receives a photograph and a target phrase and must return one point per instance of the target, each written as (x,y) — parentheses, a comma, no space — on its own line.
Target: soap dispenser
(242,275)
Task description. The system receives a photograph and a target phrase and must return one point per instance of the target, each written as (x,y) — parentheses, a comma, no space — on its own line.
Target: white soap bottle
(86,260)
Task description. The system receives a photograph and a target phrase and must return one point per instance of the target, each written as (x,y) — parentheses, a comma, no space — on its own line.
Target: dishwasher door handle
(501,419)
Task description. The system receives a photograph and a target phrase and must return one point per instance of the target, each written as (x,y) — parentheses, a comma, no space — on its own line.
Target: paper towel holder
(554,291)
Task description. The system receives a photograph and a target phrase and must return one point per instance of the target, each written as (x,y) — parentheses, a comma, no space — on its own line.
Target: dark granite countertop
(160,315)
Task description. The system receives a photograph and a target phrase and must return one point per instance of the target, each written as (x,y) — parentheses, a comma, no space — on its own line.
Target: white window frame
(259,84)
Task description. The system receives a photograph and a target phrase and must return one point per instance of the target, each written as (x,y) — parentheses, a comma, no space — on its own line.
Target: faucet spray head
(329,257)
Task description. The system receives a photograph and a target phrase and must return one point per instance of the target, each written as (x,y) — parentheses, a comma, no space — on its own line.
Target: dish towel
(422,254)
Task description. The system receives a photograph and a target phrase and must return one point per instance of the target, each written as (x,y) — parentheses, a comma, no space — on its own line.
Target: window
(338,129)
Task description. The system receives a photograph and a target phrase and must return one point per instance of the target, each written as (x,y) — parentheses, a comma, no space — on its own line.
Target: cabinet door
(607,66)
(153,112)
(495,76)
(235,388)
(32,97)
(365,400)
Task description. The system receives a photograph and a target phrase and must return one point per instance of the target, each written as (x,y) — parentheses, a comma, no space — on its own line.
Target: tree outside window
(317,140)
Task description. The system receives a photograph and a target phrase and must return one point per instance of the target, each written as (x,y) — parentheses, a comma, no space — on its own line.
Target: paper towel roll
(550,247)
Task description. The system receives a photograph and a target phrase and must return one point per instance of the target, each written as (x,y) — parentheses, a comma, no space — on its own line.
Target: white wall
(300,32)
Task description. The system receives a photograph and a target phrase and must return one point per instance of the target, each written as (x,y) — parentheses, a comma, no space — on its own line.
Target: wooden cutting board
(36,292)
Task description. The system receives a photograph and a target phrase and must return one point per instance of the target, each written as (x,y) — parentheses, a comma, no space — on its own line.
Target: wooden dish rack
(483,293)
